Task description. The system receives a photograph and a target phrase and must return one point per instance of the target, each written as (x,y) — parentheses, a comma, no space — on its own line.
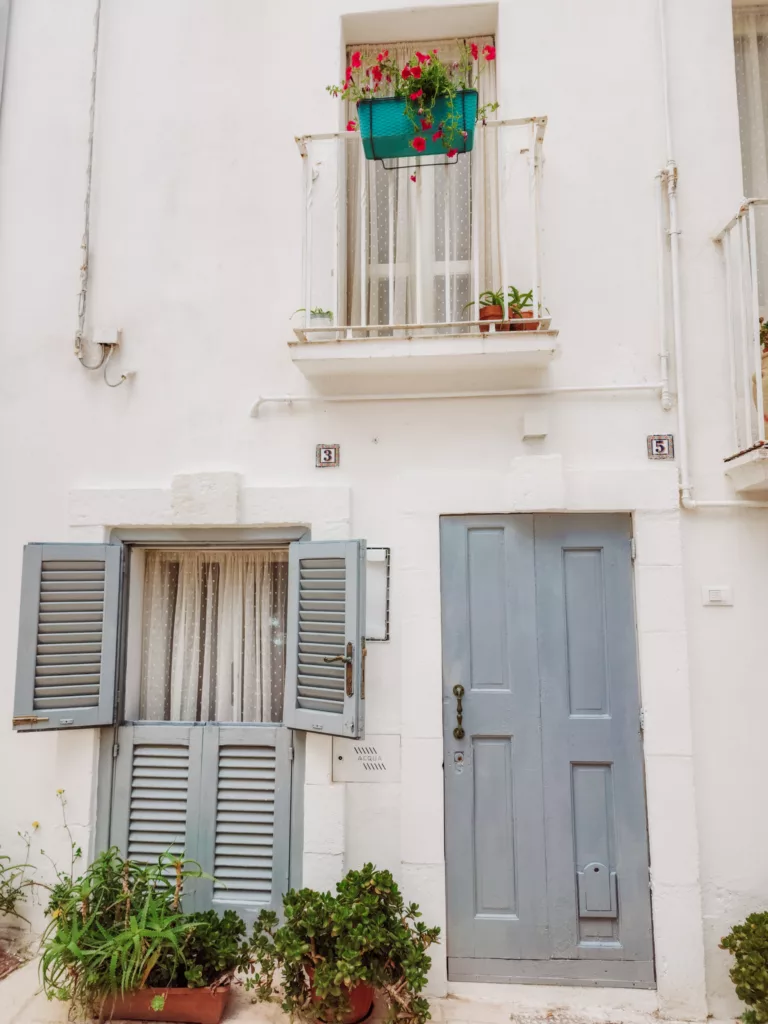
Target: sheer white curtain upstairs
(418,235)
(214,636)
(750,27)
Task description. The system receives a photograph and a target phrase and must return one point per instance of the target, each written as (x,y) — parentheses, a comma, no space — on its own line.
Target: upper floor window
(213,627)
(751,45)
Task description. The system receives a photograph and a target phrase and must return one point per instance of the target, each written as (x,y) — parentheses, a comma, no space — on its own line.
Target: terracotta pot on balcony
(182,1005)
(360,1001)
(525,314)
(493,313)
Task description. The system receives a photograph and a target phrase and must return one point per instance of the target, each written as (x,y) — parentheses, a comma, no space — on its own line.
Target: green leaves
(365,934)
(120,927)
(748,943)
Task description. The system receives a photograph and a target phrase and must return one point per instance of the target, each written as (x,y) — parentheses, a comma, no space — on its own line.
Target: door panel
(496,871)
(546,849)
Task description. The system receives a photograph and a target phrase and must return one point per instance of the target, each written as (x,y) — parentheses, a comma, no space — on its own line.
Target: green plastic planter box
(387,132)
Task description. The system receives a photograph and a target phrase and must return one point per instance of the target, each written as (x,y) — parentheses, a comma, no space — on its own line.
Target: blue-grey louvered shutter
(68,636)
(325,656)
(245,808)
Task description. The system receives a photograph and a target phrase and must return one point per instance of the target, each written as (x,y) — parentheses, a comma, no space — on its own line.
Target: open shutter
(68,636)
(324,672)
(244,830)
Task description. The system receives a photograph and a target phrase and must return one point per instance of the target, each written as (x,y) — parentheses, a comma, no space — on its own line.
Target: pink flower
(419,144)
(422,57)
(452,153)
(348,77)
(464,134)
(417,95)
(416,72)
(356,61)
(376,73)
(351,126)
(438,135)
(473,49)
(489,52)
(413,177)
(382,56)
(406,72)
(425,124)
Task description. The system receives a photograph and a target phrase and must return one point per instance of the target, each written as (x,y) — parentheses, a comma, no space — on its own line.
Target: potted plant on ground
(519,305)
(491,308)
(335,951)
(748,944)
(427,107)
(119,944)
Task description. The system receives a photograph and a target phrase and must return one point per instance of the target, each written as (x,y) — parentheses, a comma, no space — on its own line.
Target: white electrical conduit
(670,175)
(516,393)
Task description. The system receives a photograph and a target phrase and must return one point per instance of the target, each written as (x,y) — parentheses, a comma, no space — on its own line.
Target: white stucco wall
(196,256)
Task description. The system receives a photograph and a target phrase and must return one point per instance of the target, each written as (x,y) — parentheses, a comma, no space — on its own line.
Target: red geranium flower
(382,56)
(417,95)
(406,72)
(416,72)
(452,153)
(349,75)
(489,52)
(426,125)
(422,57)
(351,126)
(419,144)
(473,49)
(376,73)
(438,135)
(356,61)
(413,177)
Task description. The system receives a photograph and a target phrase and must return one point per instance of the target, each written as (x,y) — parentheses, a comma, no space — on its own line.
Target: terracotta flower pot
(493,313)
(360,1001)
(182,1005)
(525,314)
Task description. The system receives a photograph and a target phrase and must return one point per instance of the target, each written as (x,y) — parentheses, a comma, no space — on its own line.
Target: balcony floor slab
(496,361)
(748,472)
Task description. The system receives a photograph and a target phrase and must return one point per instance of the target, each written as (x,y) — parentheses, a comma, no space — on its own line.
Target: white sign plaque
(373,759)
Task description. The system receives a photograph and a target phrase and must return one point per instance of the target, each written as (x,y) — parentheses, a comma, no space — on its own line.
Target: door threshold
(626,974)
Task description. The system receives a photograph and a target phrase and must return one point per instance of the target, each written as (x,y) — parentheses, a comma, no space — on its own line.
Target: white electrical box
(721,595)
(373,759)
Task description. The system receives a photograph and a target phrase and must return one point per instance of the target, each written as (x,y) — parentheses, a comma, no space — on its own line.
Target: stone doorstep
(21,1002)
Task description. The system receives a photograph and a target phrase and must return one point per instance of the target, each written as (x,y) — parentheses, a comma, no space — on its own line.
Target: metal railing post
(752,234)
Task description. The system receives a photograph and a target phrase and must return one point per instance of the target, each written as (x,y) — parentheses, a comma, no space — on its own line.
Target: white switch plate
(718,596)
(535,426)
(374,759)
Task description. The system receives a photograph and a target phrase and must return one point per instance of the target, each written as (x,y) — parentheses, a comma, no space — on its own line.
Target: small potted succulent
(119,945)
(519,305)
(335,951)
(748,945)
(319,317)
(426,107)
(491,308)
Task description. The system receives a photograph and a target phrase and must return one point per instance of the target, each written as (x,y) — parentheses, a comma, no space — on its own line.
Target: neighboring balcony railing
(408,252)
(744,242)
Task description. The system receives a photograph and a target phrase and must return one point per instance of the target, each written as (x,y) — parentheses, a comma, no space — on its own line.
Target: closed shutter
(68,636)
(244,828)
(153,807)
(324,677)
(219,795)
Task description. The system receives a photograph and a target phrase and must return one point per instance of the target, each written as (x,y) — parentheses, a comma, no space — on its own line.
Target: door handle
(458,692)
(347,660)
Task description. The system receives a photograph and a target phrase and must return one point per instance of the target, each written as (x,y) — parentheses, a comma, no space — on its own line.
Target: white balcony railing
(744,242)
(406,253)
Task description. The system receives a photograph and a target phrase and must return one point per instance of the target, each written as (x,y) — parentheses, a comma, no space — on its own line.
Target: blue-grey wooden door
(546,846)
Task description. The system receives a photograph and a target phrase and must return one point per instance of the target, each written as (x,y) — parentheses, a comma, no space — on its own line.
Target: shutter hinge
(632,548)
(115,749)
(290,753)
(29,719)
(641,716)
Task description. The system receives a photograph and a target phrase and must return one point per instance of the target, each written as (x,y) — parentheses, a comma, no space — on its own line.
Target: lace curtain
(214,636)
(410,222)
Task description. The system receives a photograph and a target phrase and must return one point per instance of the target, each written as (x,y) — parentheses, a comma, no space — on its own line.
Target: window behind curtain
(751,48)
(400,211)
(213,635)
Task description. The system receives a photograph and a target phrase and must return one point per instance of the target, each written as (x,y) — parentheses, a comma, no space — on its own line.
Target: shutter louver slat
(157,816)
(245,820)
(71,613)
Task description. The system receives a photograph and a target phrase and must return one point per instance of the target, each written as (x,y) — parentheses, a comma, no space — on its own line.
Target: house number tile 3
(326,456)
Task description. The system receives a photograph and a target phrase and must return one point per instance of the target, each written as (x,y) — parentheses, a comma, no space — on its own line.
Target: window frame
(193,537)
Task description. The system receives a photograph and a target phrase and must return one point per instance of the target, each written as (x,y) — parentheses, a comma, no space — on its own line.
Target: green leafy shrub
(328,944)
(748,943)
(14,886)
(120,926)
